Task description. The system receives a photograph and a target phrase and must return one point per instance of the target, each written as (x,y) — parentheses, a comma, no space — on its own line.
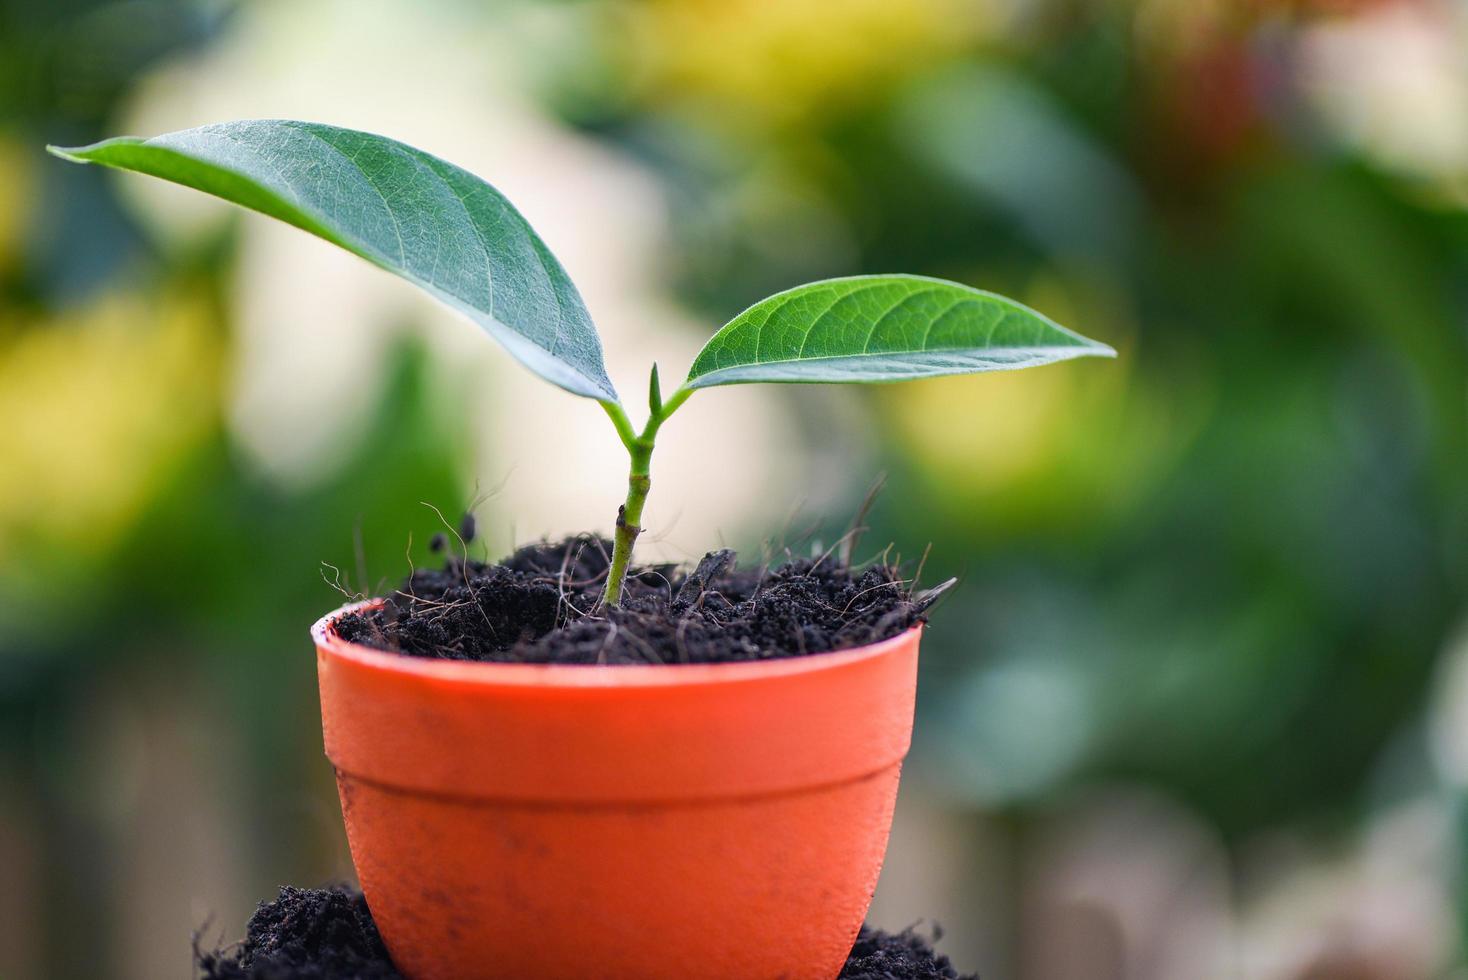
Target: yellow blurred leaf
(99,403)
(780,62)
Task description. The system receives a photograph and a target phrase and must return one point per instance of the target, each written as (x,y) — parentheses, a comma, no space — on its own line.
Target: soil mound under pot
(328,934)
(528,780)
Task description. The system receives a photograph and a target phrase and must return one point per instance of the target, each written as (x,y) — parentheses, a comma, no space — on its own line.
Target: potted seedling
(567,765)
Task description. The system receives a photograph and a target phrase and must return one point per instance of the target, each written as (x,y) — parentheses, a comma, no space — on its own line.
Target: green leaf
(882,328)
(435,225)
(654,391)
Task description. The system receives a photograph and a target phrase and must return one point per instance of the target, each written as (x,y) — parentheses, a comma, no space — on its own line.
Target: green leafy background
(1199,706)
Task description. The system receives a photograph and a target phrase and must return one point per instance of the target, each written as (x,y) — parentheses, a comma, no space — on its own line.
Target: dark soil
(328,934)
(305,934)
(540,606)
(906,955)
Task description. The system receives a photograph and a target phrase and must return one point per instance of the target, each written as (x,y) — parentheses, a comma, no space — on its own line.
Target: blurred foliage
(1224,565)
(65,66)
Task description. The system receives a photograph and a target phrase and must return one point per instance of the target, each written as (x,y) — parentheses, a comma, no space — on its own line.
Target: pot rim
(491,674)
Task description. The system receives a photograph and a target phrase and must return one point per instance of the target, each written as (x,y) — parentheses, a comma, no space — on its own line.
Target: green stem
(639,482)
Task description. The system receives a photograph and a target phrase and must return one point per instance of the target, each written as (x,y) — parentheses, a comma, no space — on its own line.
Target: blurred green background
(1200,706)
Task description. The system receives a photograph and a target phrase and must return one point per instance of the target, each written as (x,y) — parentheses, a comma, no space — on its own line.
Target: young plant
(456,237)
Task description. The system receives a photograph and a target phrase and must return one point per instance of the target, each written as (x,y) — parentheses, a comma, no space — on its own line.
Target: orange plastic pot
(514,820)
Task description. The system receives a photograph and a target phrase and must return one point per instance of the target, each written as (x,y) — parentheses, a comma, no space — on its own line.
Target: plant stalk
(639,482)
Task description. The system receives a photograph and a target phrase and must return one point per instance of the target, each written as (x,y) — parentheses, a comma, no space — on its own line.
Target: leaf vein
(386,204)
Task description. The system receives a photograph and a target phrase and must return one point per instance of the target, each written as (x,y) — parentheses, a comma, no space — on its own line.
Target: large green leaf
(882,328)
(439,227)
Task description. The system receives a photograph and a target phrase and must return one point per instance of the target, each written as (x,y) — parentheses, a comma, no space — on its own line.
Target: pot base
(777,898)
